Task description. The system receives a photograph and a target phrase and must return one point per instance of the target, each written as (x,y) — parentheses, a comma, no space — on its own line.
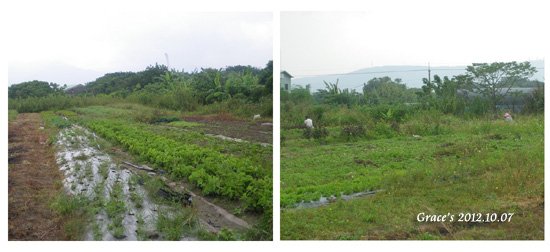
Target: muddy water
(327,200)
(91,172)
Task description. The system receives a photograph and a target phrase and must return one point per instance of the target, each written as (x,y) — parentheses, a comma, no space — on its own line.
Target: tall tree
(384,90)
(495,80)
(442,93)
(34,89)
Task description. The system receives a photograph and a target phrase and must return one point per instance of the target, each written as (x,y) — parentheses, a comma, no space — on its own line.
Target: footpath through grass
(472,166)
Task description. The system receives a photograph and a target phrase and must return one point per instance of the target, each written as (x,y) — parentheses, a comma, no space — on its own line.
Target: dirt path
(33,180)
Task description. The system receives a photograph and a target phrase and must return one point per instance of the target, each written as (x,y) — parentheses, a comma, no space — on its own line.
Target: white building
(286,81)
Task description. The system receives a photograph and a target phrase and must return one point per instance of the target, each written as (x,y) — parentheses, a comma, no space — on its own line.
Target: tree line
(491,84)
(156,86)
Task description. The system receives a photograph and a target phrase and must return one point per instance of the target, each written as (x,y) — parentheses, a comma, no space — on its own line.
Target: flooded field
(125,210)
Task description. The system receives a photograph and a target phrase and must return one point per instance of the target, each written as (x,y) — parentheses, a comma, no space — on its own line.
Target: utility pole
(429,73)
(167,61)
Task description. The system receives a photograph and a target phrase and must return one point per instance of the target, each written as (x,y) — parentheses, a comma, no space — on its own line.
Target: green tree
(34,89)
(384,90)
(495,80)
(266,78)
(442,93)
(534,102)
(333,95)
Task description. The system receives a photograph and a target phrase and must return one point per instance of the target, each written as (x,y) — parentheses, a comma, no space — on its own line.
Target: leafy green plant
(213,172)
(115,209)
(226,235)
(173,225)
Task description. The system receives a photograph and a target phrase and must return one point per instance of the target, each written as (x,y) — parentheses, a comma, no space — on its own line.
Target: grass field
(463,166)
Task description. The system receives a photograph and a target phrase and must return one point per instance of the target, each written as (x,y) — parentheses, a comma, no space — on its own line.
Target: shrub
(353,131)
(57,102)
(317,113)
(308,133)
(383,130)
(320,133)
(430,122)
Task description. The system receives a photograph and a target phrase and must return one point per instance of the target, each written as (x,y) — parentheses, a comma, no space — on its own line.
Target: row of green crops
(213,172)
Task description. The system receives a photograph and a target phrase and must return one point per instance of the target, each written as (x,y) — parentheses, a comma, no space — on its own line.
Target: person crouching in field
(308,130)
(308,122)
(508,117)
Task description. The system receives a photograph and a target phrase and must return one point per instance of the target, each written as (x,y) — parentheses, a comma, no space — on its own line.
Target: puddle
(327,200)
(91,173)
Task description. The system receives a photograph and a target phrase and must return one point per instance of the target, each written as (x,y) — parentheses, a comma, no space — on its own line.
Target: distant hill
(51,72)
(410,75)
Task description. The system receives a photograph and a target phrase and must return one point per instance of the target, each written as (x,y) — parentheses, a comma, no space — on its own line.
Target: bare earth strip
(33,181)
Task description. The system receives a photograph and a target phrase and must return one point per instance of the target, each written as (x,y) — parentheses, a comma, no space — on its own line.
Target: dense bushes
(240,90)
(534,103)
(353,131)
(377,123)
(57,102)
(316,133)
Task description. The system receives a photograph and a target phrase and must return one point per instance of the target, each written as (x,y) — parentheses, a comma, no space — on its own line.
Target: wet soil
(327,200)
(33,182)
(91,171)
(253,131)
(213,217)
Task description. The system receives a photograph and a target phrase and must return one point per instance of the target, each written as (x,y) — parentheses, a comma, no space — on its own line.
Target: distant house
(78,89)
(286,81)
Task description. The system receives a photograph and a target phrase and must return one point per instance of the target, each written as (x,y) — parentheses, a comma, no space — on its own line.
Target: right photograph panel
(404,126)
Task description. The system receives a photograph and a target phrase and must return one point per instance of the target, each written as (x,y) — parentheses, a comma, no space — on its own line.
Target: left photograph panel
(140,125)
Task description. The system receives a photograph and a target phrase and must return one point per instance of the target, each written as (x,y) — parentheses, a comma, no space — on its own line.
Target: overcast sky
(80,42)
(408,33)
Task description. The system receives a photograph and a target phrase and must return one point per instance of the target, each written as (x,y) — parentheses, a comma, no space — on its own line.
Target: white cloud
(411,32)
(105,38)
